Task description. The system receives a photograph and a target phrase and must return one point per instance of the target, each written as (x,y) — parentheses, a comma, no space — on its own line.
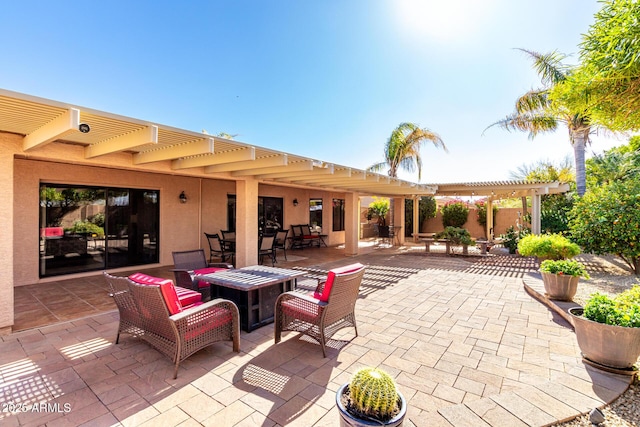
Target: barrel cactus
(373,393)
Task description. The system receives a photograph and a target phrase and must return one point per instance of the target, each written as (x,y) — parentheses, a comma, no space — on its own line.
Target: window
(93,228)
(315,212)
(270,214)
(338,214)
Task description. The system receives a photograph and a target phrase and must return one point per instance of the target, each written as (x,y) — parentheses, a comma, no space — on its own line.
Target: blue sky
(323,79)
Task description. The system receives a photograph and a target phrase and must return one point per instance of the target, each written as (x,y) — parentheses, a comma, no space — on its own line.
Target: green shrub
(623,310)
(547,246)
(564,267)
(454,214)
(379,209)
(455,235)
(481,206)
(85,227)
(512,237)
(373,394)
(606,220)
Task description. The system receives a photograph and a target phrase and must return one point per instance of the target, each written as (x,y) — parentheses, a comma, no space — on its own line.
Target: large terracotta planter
(560,287)
(348,420)
(612,346)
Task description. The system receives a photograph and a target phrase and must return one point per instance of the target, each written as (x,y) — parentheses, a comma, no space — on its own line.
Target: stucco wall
(9,143)
(505,218)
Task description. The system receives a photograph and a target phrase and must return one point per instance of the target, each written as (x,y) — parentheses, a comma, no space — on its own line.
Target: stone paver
(465,342)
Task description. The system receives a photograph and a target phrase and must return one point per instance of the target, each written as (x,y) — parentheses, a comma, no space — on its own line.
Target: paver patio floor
(466,344)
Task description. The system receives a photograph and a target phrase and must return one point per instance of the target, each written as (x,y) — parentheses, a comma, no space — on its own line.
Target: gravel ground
(609,275)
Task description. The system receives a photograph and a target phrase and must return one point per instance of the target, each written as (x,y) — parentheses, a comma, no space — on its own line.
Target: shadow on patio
(464,341)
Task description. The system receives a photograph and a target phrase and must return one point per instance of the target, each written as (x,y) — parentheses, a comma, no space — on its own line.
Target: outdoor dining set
(222,245)
(210,302)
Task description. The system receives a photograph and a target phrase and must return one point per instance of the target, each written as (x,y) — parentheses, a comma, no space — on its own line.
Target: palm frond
(549,66)
(532,123)
(378,167)
(534,100)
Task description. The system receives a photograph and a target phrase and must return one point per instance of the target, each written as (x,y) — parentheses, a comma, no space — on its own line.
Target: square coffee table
(253,289)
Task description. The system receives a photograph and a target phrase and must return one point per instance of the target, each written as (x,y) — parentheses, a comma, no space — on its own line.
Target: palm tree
(402,149)
(536,113)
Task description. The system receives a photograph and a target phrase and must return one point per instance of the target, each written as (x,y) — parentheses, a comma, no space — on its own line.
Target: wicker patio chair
(330,308)
(129,317)
(189,263)
(181,334)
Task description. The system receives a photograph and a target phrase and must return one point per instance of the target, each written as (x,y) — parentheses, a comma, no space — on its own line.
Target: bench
(483,245)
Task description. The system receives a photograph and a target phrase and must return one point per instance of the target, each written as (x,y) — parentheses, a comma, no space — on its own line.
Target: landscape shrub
(548,246)
(623,310)
(454,213)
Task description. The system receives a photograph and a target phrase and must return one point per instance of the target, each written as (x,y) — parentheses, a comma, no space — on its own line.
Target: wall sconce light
(183,197)
(295,202)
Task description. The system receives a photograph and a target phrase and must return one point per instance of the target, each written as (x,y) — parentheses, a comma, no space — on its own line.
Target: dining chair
(267,247)
(217,250)
(281,241)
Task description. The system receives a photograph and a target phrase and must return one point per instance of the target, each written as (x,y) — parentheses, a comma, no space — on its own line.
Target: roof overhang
(42,122)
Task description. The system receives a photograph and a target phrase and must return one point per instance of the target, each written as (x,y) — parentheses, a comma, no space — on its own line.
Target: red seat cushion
(207,270)
(167,289)
(326,291)
(214,318)
(301,309)
(187,297)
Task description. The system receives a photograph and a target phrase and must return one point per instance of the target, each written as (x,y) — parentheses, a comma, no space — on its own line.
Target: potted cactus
(371,398)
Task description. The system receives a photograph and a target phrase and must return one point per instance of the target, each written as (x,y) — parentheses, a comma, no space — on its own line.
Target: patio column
(398,220)
(489,224)
(351,223)
(416,218)
(535,212)
(246,222)
(7,144)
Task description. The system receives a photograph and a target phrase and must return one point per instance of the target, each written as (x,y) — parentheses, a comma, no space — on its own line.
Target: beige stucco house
(63,165)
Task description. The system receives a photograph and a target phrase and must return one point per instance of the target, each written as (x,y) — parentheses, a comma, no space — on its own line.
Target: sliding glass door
(91,228)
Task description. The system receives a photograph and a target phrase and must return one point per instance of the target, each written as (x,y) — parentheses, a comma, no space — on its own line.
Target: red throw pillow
(326,291)
(166,288)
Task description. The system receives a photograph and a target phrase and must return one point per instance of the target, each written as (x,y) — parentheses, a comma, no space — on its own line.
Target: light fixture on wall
(183,197)
(295,202)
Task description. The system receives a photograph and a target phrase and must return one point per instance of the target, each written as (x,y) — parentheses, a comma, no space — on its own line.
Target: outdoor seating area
(465,342)
(171,319)
(303,237)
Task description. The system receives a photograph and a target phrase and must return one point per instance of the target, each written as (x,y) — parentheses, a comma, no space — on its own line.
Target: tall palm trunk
(580,138)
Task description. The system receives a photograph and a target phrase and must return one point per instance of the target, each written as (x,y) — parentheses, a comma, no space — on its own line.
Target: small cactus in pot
(372,395)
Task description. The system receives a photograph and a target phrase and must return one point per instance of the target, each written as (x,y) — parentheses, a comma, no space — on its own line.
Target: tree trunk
(580,139)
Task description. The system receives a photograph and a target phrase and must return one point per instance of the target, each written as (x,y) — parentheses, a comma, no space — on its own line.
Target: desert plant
(512,236)
(454,214)
(623,310)
(456,235)
(373,394)
(547,246)
(564,267)
(379,209)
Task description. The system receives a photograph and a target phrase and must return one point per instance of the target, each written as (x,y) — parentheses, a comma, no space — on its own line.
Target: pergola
(496,190)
